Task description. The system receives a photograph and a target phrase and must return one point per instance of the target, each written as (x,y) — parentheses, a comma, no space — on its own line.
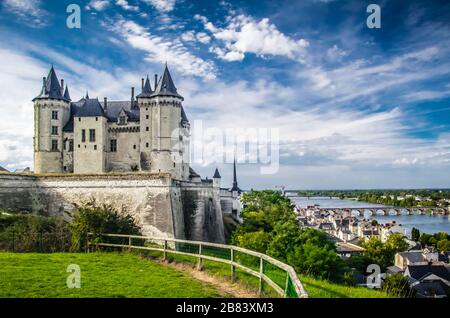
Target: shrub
(95,219)
(397,285)
(27,232)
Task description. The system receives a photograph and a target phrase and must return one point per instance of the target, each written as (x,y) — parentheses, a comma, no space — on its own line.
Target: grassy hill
(102,275)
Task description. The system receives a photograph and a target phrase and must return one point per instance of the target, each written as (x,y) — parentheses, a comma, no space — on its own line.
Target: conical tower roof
(146,90)
(165,86)
(216,174)
(66,93)
(51,89)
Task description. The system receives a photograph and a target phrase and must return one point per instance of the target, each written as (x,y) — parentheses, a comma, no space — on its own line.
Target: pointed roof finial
(146,90)
(235,183)
(87,95)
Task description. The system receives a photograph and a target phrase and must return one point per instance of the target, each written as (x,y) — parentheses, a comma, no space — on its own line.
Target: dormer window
(122,120)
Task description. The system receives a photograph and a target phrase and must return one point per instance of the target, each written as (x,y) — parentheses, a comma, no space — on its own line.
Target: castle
(133,155)
(149,132)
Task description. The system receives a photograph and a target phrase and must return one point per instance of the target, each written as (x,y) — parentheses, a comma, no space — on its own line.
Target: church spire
(235,183)
(165,86)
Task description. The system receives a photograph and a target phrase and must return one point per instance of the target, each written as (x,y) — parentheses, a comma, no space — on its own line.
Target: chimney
(105,104)
(43,82)
(132,97)
(142,87)
(156,80)
(62,86)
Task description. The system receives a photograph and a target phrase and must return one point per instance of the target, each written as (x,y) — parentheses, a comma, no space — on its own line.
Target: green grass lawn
(102,275)
(324,289)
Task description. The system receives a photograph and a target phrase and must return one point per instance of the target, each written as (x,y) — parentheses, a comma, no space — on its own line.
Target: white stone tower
(51,113)
(161,127)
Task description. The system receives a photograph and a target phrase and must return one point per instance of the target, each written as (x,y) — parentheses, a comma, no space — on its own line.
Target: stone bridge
(360,211)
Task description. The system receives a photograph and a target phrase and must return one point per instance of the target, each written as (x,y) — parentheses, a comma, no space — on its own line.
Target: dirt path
(225,287)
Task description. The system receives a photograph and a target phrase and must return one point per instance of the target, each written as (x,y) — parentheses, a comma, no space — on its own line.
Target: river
(425,223)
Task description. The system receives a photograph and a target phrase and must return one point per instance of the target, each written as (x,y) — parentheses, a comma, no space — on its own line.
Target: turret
(216,179)
(160,120)
(51,113)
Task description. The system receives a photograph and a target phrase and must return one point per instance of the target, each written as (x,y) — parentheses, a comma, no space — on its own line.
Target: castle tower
(145,110)
(161,123)
(216,179)
(51,113)
(90,135)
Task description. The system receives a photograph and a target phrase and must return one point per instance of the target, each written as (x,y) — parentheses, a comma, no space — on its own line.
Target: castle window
(146,128)
(134,146)
(54,130)
(92,135)
(113,145)
(96,118)
(83,135)
(79,119)
(54,114)
(146,116)
(54,145)
(146,144)
(174,164)
(95,147)
(71,145)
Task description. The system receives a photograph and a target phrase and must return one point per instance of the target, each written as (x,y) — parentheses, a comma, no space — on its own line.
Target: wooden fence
(279,276)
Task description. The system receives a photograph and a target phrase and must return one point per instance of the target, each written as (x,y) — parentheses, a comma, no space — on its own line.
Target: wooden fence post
(233,271)
(165,250)
(261,271)
(200,260)
(87,242)
(129,244)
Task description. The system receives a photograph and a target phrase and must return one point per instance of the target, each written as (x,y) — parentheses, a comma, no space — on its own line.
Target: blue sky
(355,107)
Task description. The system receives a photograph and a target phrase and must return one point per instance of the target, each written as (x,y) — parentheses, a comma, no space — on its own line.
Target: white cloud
(28,11)
(244,34)
(335,53)
(202,37)
(163,50)
(162,5)
(98,5)
(188,36)
(126,6)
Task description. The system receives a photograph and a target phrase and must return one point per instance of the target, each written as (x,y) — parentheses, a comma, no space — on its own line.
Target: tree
(95,219)
(415,234)
(443,246)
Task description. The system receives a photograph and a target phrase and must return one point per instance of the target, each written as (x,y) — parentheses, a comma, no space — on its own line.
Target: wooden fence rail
(292,287)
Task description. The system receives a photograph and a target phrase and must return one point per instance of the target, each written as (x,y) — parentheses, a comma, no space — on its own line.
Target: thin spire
(87,95)
(66,93)
(147,89)
(235,183)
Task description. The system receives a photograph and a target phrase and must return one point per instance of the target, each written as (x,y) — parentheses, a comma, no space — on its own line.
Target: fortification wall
(202,212)
(158,203)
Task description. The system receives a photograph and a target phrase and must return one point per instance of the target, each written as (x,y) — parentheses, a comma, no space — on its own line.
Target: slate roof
(165,86)
(113,109)
(413,256)
(216,174)
(431,289)
(420,271)
(50,87)
(192,173)
(147,89)
(184,118)
(66,93)
(91,108)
